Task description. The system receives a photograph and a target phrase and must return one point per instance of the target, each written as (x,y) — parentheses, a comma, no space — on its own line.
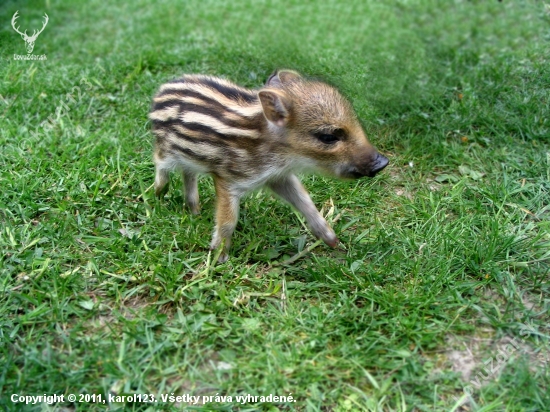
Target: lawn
(437,298)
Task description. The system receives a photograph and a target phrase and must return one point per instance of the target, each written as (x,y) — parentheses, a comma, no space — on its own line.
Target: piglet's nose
(379,163)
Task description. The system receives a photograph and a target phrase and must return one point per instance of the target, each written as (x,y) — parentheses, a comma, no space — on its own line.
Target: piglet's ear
(273,80)
(276,106)
(281,77)
(287,76)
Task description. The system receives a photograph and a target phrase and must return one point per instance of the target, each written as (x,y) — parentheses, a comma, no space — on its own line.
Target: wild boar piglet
(248,138)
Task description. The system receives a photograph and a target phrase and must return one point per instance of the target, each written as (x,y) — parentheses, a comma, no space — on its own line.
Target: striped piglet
(250,138)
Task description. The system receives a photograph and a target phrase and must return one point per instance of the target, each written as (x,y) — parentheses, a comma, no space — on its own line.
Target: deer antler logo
(29,39)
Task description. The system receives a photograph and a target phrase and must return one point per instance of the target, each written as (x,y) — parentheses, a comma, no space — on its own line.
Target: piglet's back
(208,121)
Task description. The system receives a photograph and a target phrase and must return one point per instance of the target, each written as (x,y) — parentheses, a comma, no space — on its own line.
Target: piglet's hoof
(224,257)
(333,242)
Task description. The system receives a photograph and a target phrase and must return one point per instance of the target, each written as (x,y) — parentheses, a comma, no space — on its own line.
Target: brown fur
(250,138)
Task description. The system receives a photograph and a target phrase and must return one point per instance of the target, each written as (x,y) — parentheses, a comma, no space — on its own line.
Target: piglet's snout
(366,165)
(379,163)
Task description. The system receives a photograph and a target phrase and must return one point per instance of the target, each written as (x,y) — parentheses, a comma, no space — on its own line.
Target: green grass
(106,290)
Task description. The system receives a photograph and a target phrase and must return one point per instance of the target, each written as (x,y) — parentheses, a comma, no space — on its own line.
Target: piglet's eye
(327,138)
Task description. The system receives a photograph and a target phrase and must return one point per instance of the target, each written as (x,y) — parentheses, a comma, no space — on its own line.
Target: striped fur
(249,138)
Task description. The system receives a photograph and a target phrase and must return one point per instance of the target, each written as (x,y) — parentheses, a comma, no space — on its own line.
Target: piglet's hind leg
(191,191)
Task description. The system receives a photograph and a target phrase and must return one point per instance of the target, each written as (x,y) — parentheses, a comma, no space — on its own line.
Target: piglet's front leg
(227,213)
(291,189)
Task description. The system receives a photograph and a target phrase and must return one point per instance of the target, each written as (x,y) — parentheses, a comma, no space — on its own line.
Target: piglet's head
(319,126)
